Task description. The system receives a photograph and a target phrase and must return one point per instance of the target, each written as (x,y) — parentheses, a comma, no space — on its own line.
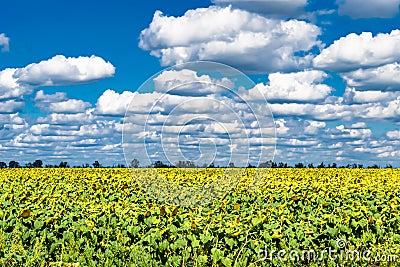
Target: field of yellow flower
(101,217)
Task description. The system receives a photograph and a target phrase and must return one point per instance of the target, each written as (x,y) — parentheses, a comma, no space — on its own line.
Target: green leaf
(180,243)
(38,224)
(216,254)
(226,262)
(202,259)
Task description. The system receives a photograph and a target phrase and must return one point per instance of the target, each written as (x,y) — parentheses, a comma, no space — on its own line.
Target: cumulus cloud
(69,106)
(48,98)
(59,103)
(192,123)
(11,106)
(368,8)
(313,127)
(385,78)
(4,42)
(9,87)
(171,87)
(387,111)
(60,70)
(85,117)
(10,126)
(352,96)
(279,8)
(349,133)
(113,103)
(302,86)
(360,51)
(393,134)
(187,82)
(321,112)
(309,141)
(235,37)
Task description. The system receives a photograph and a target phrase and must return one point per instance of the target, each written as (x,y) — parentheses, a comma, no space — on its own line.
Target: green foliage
(100,217)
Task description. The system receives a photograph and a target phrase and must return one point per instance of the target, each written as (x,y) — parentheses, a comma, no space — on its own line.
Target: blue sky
(329,70)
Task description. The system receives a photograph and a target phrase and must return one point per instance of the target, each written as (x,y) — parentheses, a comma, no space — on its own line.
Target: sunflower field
(106,217)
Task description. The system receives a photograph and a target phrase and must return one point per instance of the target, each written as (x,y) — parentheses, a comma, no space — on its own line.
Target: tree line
(183,164)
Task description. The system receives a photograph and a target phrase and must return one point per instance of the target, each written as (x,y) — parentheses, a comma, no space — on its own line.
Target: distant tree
(322,165)
(334,165)
(267,164)
(190,164)
(13,164)
(3,165)
(281,165)
(185,164)
(121,166)
(310,165)
(134,163)
(374,166)
(231,165)
(389,166)
(360,166)
(211,165)
(250,166)
(96,164)
(159,164)
(299,165)
(63,164)
(37,164)
(28,165)
(274,165)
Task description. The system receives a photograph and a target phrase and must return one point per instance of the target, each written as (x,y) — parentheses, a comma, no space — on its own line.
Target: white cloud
(314,127)
(279,8)
(360,51)
(59,103)
(302,86)
(352,96)
(385,78)
(368,8)
(281,128)
(235,37)
(9,87)
(349,133)
(4,42)
(10,125)
(186,82)
(386,110)
(11,106)
(320,112)
(358,125)
(393,134)
(389,110)
(113,103)
(70,106)
(56,97)
(68,119)
(61,70)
